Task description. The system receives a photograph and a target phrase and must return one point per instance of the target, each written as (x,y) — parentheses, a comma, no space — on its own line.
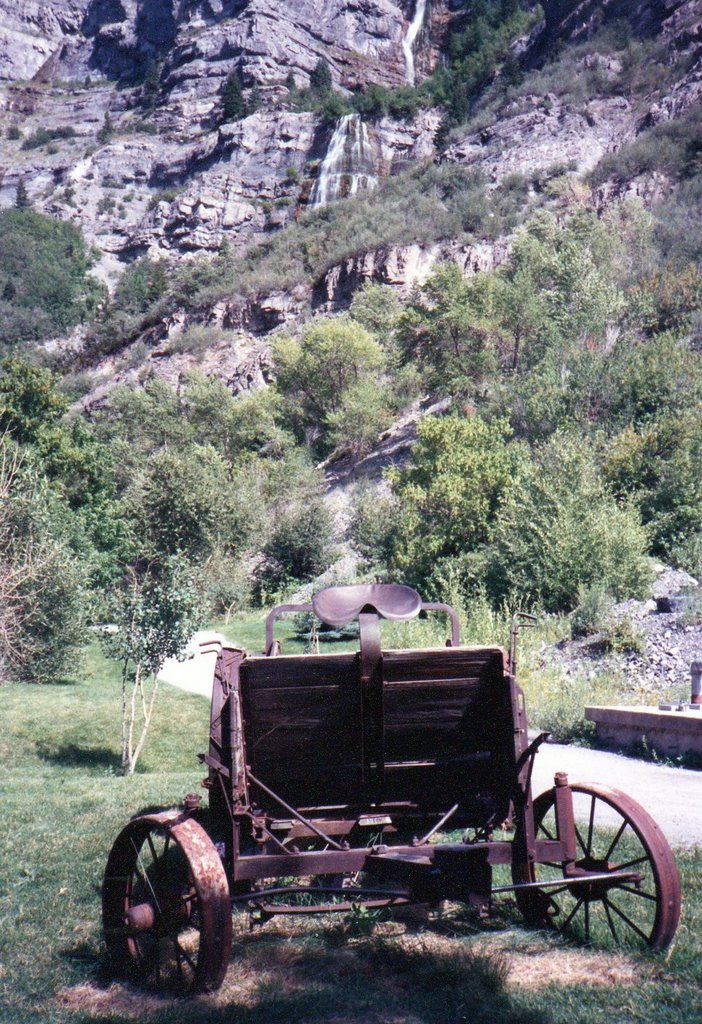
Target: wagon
(332,778)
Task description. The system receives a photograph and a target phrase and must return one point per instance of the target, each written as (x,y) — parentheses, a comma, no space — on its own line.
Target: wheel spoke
(610,922)
(580,840)
(587,920)
(638,892)
(549,835)
(591,825)
(615,841)
(572,914)
(626,919)
(643,859)
(145,876)
(154,855)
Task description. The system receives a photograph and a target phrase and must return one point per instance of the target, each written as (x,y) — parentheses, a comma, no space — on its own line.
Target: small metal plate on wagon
(374,819)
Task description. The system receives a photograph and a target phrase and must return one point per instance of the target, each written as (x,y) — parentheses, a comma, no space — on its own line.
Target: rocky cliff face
(169,179)
(172,178)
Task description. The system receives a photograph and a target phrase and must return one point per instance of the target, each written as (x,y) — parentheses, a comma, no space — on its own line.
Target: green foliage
(373,527)
(622,637)
(321,78)
(233,102)
(660,466)
(561,529)
(377,308)
(449,331)
(107,130)
(43,136)
(354,427)
(319,375)
(591,614)
(142,283)
(478,46)
(151,85)
(22,202)
(44,265)
(188,501)
(43,598)
(451,493)
(673,147)
(13,132)
(155,613)
(299,548)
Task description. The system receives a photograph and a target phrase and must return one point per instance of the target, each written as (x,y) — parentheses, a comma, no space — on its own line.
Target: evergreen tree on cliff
(22,200)
(233,102)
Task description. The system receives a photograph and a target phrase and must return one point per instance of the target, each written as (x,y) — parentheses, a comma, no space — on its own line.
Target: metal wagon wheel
(165,905)
(613,833)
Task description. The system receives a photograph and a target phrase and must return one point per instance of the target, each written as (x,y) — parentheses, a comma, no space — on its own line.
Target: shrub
(622,637)
(42,136)
(451,493)
(142,283)
(561,529)
(47,262)
(43,596)
(233,102)
(298,550)
(316,373)
(592,611)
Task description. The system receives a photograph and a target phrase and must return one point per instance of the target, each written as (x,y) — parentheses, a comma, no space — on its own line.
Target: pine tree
(22,200)
(151,84)
(321,78)
(233,102)
(107,130)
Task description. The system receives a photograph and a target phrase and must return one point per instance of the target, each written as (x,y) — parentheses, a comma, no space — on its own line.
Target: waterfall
(410,39)
(349,165)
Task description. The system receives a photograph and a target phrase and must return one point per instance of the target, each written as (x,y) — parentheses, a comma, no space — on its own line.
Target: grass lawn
(63,803)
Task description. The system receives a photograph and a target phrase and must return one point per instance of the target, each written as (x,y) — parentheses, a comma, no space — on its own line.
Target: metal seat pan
(337,606)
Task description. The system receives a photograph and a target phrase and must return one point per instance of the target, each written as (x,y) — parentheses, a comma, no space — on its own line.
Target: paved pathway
(673,796)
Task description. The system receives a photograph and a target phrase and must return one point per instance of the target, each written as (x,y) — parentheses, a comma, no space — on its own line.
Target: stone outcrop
(543,134)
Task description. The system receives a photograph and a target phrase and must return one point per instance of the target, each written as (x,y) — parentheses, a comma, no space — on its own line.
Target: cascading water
(411,37)
(349,166)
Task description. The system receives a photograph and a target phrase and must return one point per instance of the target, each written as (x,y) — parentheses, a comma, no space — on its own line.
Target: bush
(44,266)
(142,283)
(43,596)
(622,637)
(299,549)
(42,136)
(316,374)
(561,529)
(452,492)
(591,614)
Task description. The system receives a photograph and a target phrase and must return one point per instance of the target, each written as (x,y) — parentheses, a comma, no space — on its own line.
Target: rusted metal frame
(371,688)
(328,862)
(257,823)
(291,810)
(611,878)
(440,823)
(276,613)
(520,620)
(320,890)
(272,909)
(438,606)
(565,818)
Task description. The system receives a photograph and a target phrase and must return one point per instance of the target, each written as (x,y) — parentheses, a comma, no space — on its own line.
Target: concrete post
(696,682)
